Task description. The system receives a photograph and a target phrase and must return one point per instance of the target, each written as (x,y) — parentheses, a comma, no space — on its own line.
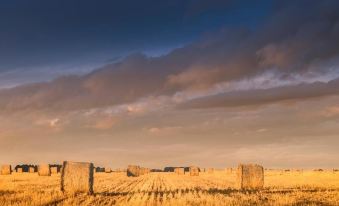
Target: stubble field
(219,188)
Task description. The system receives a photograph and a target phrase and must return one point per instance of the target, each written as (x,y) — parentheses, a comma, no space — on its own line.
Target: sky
(170,83)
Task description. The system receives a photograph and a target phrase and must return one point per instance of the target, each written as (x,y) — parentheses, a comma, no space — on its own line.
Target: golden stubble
(218,188)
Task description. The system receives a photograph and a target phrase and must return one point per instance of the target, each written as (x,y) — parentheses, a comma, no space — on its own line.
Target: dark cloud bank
(266,96)
(300,38)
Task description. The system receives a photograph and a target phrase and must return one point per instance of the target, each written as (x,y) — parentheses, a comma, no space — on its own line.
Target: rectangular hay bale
(77,177)
(44,170)
(19,170)
(6,169)
(194,171)
(250,176)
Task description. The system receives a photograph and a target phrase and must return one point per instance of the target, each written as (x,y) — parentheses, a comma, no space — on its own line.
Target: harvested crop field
(281,188)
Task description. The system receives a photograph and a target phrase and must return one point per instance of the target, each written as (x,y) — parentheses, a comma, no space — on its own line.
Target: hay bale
(121,170)
(77,177)
(194,171)
(144,171)
(133,171)
(108,170)
(148,170)
(229,170)
(19,170)
(31,169)
(179,171)
(250,176)
(55,170)
(6,169)
(44,170)
(210,170)
(141,171)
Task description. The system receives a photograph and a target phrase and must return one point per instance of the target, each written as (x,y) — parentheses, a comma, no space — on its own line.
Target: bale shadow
(213,191)
(291,190)
(114,194)
(308,202)
(55,202)
(6,192)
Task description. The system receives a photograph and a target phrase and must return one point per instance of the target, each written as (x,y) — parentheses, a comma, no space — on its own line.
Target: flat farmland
(218,188)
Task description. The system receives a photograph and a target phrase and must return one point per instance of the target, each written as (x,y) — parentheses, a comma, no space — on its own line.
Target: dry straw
(108,170)
(133,171)
(6,170)
(19,170)
(144,171)
(179,170)
(31,169)
(77,177)
(55,170)
(118,170)
(210,170)
(44,170)
(250,176)
(194,171)
(148,170)
(229,170)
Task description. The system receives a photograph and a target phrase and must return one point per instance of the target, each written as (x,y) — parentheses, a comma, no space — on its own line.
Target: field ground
(281,188)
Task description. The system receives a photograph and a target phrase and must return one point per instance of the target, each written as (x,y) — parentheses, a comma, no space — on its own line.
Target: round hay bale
(55,170)
(77,177)
(179,171)
(194,171)
(6,169)
(133,171)
(210,170)
(108,170)
(19,170)
(31,169)
(44,170)
(229,170)
(250,176)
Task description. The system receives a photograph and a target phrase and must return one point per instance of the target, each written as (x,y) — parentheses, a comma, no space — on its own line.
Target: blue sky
(55,37)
